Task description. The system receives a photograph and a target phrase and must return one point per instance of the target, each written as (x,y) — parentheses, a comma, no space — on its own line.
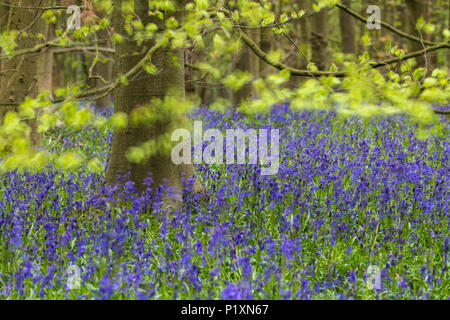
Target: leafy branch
(386,25)
(308,73)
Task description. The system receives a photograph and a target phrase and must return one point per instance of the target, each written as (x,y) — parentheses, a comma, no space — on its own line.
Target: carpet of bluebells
(350,195)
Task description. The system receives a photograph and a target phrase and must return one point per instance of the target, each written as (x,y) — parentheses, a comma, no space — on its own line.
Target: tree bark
(319,42)
(169,81)
(45,61)
(248,62)
(4,14)
(416,9)
(430,14)
(305,29)
(266,46)
(102,68)
(347,30)
(22,76)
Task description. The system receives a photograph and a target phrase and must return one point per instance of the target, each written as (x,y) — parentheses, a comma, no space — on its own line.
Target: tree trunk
(347,30)
(102,68)
(305,29)
(106,72)
(319,40)
(301,39)
(431,16)
(45,61)
(391,9)
(416,9)
(21,76)
(4,13)
(401,15)
(248,62)
(169,81)
(266,46)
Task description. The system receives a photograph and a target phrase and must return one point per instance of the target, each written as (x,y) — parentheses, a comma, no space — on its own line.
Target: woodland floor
(349,197)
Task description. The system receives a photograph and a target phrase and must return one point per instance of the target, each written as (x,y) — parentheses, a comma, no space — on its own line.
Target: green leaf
(135,155)
(117,38)
(69,161)
(430,82)
(119,120)
(151,68)
(430,28)
(202,4)
(124,80)
(283,18)
(311,66)
(274,56)
(420,23)
(95,165)
(7,42)
(446,33)
(104,23)
(366,40)
(418,73)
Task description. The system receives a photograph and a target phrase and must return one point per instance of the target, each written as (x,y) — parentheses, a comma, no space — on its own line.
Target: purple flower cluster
(348,195)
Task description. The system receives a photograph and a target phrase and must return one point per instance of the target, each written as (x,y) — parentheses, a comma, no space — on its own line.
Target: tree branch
(81,48)
(411,55)
(110,87)
(38,7)
(442,111)
(280,66)
(53,43)
(308,73)
(386,25)
(102,91)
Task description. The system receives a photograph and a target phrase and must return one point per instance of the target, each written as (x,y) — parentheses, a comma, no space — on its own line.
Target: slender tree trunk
(447,63)
(431,14)
(319,42)
(387,16)
(391,9)
(305,29)
(189,74)
(248,62)
(347,30)
(45,61)
(401,16)
(169,81)
(103,69)
(302,40)
(266,46)
(416,9)
(4,14)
